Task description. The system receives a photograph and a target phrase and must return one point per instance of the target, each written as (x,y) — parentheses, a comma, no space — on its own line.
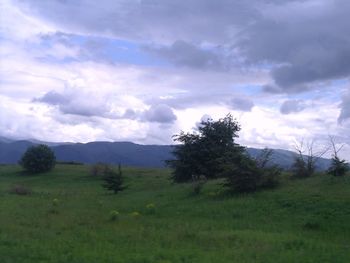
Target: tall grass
(301,221)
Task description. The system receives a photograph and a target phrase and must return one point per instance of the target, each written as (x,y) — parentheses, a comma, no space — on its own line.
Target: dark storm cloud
(310,45)
(186,54)
(241,104)
(290,106)
(84,109)
(86,106)
(148,19)
(74,104)
(306,41)
(53,98)
(159,113)
(130,114)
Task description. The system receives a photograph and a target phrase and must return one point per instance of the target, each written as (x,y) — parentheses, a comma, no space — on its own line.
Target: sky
(144,70)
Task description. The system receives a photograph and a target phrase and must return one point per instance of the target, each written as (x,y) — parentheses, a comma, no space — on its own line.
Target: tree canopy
(212,152)
(37,159)
(202,152)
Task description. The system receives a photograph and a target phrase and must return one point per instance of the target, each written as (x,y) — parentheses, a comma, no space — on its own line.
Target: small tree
(305,162)
(263,158)
(201,153)
(242,175)
(99,169)
(338,167)
(212,153)
(270,172)
(245,174)
(38,159)
(113,179)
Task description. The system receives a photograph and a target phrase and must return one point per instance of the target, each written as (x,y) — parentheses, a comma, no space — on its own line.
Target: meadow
(67,218)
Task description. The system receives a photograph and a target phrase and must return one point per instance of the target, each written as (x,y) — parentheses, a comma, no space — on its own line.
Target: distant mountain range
(125,153)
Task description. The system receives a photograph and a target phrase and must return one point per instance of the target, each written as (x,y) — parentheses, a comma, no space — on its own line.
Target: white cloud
(53,89)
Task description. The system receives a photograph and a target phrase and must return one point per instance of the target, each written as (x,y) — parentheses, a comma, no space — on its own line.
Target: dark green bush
(99,169)
(242,176)
(20,190)
(114,180)
(198,183)
(212,152)
(202,152)
(338,167)
(38,159)
(246,175)
(311,225)
(270,177)
(301,168)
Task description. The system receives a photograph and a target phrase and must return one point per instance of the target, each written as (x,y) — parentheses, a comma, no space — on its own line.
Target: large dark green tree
(204,152)
(212,152)
(38,159)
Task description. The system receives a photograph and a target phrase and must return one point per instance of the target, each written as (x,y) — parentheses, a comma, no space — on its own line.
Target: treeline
(212,152)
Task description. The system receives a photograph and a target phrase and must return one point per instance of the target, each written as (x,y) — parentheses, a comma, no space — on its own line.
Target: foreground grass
(302,221)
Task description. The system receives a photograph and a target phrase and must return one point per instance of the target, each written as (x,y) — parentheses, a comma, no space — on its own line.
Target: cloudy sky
(142,70)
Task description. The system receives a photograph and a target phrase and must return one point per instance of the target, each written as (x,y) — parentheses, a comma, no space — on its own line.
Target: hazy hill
(125,153)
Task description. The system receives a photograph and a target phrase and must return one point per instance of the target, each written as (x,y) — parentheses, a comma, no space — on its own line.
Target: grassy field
(301,221)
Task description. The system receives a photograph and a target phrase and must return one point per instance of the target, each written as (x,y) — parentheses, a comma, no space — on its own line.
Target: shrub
(198,183)
(270,172)
(301,169)
(20,190)
(114,215)
(99,169)
(338,167)
(200,153)
(151,208)
(69,162)
(311,225)
(242,176)
(245,175)
(55,202)
(38,159)
(113,180)
(270,177)
(135,214)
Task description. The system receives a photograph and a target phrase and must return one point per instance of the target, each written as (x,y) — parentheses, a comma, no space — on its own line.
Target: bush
(270,172)
(311,224)
(242,176)
(99,169)
(302,169)
(113,180)
(38,159)
(55,202)
(338,167)
(151,209)
(69,162)
(198,183)
(246,175)
(200,153)
(135,214)
(114,215)
(270,177)
(20,190)
(213,153)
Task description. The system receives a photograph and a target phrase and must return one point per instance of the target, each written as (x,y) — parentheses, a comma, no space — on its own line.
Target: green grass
(301,221)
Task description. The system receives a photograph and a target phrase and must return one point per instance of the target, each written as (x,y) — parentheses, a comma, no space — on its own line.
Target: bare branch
(335,150)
